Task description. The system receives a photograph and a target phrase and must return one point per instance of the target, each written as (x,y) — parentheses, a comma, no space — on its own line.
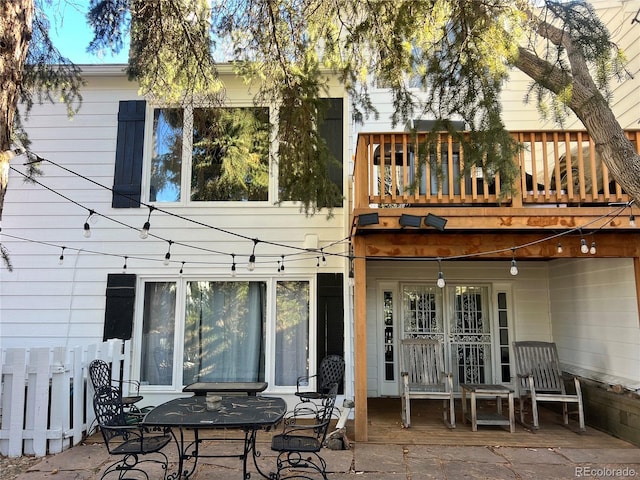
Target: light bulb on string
(559,247)
(233,264)
(592,250)
(584,248)
(87,227)
(144,233)
(252,258)
(513,270)
(124,267)
(632,220)
(281,268)
(323,262)
(440,282)
(167,256)
(181,269)
(61,257)
(318,262)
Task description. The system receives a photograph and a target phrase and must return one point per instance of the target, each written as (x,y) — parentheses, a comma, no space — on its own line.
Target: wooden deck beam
(494,245)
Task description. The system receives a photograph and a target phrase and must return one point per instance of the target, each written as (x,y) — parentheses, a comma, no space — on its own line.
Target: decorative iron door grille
(470,335)
(458,316)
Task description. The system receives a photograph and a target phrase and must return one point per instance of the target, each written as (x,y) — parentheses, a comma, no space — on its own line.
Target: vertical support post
(360,338)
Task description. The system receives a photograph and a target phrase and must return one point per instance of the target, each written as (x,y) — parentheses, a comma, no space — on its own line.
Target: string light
(318,262)
(167,256)
(151,208)
(181,269)
(61,258)
(632,220)
(124,267)
(592,250)
(252,258)
(514,266)
(440,282)
(584,248)
(233,264)
(324,259)
(281,267)
(144,233)
(87,227)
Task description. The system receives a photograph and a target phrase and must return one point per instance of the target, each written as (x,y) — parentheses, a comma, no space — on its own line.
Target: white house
(185,294)
(122,162)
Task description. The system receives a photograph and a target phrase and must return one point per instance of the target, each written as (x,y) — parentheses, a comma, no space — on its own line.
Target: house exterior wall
(43,303)
(617,16)
(529,312)
(595,322)
(541,312)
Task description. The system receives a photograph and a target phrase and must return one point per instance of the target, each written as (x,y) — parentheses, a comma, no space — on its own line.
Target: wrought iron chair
(131,442)
(331,372)
(302,438)
(101,377)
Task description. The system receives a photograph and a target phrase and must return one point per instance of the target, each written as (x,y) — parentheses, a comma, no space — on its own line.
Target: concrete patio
(428,450)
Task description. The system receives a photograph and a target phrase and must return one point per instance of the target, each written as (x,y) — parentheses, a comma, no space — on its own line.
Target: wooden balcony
(561,180)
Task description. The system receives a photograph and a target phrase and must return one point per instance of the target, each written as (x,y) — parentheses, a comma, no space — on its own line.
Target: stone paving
(381,462)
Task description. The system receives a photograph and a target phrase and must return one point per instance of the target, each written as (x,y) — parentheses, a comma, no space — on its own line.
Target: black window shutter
(127,178)
(118,314)
(330,334)
(331,130)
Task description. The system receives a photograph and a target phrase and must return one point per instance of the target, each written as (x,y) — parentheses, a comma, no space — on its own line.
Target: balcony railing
(555,168)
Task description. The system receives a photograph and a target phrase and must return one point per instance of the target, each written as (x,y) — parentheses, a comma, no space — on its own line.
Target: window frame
(187,143)
(269,330)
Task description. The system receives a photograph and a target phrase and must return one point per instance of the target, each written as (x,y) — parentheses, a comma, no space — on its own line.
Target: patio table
(480,390)
(246,413)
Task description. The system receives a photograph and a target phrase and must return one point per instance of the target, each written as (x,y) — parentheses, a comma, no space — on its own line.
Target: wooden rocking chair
(540,380)
(423,377)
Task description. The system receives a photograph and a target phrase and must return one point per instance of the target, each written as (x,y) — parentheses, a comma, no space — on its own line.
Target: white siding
(46,304)
(595,317)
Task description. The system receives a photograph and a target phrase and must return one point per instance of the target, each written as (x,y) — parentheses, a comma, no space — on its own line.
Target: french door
(458,316)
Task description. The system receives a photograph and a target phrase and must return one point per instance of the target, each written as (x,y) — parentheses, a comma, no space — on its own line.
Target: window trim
(270,325)
(185,176)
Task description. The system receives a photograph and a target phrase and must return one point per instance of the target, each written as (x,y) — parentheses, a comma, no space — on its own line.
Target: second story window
(209,154)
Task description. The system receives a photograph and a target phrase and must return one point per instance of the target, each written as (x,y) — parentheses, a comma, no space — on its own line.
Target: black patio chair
(302,438)
(331,372)
(133,443)
(101,377)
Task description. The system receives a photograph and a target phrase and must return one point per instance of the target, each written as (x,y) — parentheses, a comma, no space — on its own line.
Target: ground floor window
(222,331)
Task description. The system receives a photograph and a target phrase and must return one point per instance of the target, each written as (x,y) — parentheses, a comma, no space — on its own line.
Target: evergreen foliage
(458,52)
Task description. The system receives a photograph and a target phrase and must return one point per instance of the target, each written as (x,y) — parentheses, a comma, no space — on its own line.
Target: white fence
(45,399)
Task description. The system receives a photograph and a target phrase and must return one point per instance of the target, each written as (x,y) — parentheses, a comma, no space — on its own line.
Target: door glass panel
(292,331)
(470,335)
(503,326)
(158,331)
(389,364)
(422,312)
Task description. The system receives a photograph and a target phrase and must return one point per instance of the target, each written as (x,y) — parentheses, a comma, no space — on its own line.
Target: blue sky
(71,33)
